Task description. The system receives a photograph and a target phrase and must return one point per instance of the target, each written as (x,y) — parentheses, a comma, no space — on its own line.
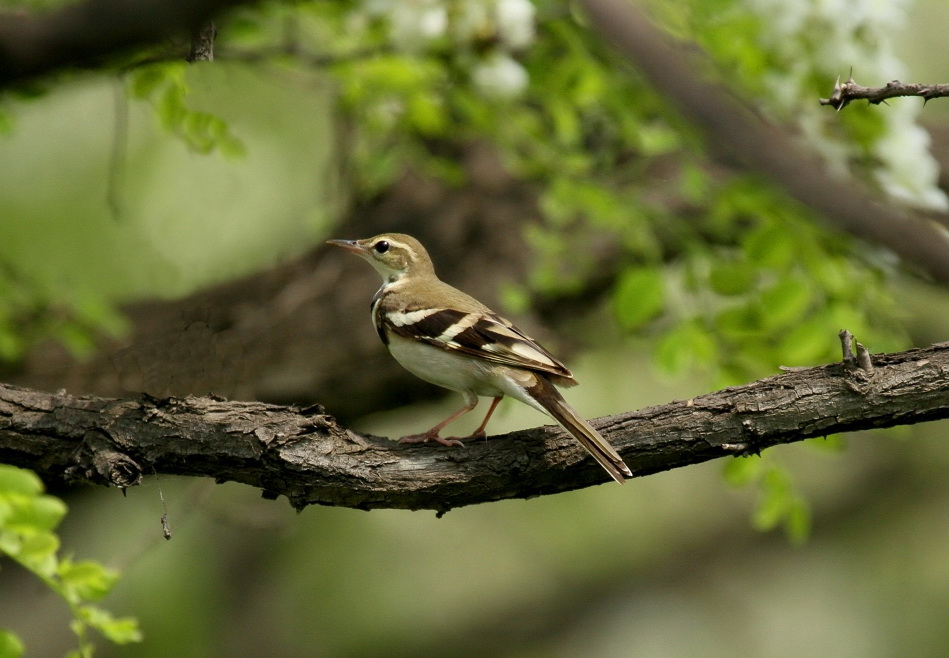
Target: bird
(448,338)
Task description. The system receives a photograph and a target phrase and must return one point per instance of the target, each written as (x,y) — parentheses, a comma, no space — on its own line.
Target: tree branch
(202,43)
(84,34)
(849,91)
(308,457)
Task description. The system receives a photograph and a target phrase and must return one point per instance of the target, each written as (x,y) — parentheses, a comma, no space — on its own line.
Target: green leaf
(833,275)
(694,183)
(769,245)
(797,521)
(12,344)
(742,471)
(733,278)
(231,146)
(639,297)
(566,126)
(514,297)
(739,323)
(27,518)
(18,480)
(10,645)
(777,498)
(785,303)
(685,345)
(119,630)
(657,138)
(171,108)
(808,343)
(42,513)
(86,580)
(37,552)
(770,510)
(426,114)
(144,81)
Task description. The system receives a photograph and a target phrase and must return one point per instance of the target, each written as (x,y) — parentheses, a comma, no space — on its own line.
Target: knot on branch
(98,460)
(840,97)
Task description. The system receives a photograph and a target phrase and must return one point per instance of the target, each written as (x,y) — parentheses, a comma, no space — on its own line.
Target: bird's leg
(479,433)
(432,434)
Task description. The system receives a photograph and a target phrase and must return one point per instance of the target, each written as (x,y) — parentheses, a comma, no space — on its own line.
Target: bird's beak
(349,245)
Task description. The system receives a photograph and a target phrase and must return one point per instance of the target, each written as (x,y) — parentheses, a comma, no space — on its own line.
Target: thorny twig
(845,92)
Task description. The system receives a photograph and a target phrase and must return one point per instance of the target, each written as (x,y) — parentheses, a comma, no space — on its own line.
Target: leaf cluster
(165,87)
(28,520)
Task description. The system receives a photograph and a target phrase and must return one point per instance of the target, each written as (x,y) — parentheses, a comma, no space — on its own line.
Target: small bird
(450,339)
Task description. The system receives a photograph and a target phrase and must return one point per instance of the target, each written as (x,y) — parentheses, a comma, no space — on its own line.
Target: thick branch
(307,456)
(849,91)
(84,34)
(735,134)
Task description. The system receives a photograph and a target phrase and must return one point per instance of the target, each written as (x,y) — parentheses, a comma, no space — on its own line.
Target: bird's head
(394,255)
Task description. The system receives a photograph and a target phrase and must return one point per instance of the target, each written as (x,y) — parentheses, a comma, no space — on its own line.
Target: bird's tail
(551,400)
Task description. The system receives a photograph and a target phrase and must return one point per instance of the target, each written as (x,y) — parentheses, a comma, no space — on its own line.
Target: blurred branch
(84,34)
(849,91)
(308,457)
(737,135)
(202,43)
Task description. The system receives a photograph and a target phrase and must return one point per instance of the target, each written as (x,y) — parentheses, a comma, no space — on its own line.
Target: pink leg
(432,434)
(479,433)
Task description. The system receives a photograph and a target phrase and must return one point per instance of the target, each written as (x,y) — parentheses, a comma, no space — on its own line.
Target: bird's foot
(425,437)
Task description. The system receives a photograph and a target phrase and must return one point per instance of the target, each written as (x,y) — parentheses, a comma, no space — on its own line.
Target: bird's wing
(484,335)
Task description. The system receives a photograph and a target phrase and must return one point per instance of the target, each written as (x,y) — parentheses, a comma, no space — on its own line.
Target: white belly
(444,368)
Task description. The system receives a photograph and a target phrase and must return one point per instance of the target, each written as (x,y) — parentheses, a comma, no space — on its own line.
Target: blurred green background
(116,188)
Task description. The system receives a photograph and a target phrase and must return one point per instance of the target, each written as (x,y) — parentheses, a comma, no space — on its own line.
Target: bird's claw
(426,437)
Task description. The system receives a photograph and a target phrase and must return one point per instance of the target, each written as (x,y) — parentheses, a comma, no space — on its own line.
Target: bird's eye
(381,247)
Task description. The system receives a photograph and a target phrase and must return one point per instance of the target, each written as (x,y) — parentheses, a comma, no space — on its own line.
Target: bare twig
(846,92)
(846,346)
(308,457)
(202,43)
(863,359)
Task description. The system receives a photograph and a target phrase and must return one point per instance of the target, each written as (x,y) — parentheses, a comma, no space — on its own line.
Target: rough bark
(305,455)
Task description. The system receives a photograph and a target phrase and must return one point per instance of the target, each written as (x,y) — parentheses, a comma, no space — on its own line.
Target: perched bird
(448,338)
